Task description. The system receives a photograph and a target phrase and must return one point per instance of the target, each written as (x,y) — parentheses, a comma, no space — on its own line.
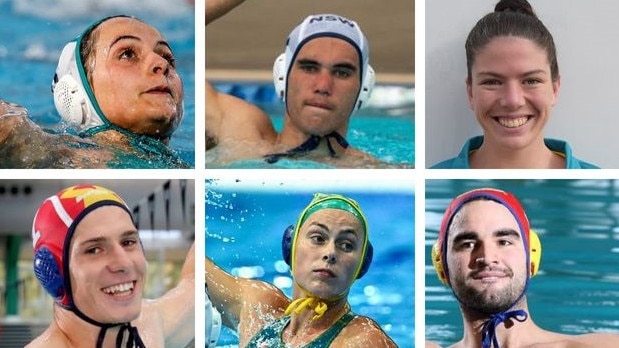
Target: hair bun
(519,6)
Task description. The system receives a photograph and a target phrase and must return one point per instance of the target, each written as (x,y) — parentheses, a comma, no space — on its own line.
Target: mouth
(122,289)
(320,105)
(489,276)
(161,89)
(325,273)
(513,122)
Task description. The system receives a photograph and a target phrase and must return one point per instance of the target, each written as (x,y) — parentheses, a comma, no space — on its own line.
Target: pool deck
(243,44)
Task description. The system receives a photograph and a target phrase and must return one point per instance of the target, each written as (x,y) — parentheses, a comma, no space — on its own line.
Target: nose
(158,64)
(323,82)
(513,96)
(485,255)
(329,256)
(120,260)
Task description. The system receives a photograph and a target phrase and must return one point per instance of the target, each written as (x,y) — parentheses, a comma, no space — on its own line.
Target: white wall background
(586,34)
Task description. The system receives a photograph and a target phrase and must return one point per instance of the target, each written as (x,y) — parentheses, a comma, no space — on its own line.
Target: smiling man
(487,253)
(88,256)
(323,77)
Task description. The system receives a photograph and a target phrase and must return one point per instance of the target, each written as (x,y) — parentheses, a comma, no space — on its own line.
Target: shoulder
(557,340)
(564,148)
(229,117)
(462,160)
(49,338)
(364,332)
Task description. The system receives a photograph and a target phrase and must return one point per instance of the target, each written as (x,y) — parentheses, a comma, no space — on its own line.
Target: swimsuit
(559,147)
(270,336)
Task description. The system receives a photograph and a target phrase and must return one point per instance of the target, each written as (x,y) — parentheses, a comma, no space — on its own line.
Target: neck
(302,324)
(509,333)
(531,156)
(77,331)
(291,136)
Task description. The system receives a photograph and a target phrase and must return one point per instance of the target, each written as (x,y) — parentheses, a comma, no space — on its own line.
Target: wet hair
(511,18)
(89,38)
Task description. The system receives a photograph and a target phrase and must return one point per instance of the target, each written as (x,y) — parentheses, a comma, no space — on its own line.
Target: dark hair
(511,18)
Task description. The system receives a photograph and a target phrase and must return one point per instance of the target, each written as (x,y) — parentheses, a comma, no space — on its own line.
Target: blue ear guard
(48,273)
(288,238)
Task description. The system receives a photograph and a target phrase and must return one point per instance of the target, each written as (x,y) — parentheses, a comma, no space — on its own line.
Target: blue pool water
(33,32)
(245,226)
(386,129)
(577,288)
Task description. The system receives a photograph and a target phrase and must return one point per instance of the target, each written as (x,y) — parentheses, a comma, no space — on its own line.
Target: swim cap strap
(298,305)
(309,145)
(488,331)
(134,341)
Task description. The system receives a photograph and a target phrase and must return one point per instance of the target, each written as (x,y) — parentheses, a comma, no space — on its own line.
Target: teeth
(119,288)
(512,122)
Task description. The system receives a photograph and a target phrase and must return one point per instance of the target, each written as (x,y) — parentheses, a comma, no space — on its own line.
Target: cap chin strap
(298,305)
(309,145)
(488,331)
(134,340)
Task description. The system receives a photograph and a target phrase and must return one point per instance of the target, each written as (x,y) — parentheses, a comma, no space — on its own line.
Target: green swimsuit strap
(325,339)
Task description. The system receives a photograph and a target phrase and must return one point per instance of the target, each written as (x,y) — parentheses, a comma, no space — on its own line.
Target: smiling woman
(512,86)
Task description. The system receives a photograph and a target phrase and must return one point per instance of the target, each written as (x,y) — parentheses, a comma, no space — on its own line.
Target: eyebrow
(348,230)
(528,73)
(130,233)
(468,235)
(132,37)
(307,61)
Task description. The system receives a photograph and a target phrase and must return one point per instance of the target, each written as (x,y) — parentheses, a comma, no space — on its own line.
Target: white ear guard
(73,96)
(279,81)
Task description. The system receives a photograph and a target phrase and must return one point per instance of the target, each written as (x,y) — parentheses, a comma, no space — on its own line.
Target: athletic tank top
(271,334)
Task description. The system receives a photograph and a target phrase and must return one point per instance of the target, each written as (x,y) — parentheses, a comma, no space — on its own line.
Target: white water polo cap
(73,96)
(325,25)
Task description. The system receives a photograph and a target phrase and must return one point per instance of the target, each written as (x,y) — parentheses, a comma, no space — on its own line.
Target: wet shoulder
(363,332)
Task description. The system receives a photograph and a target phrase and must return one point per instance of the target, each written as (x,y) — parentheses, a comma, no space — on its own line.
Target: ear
(556,85)
(469,91)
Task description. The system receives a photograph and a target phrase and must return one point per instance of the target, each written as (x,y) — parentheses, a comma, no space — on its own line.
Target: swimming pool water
(577,288)
(31,41)
(244,229)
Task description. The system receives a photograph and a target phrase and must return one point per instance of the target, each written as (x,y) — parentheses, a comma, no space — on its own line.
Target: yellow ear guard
(439,249)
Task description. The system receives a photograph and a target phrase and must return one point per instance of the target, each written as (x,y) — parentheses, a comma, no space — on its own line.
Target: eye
(170,58)
(531,81)
(505,242)
(466,245)
(128,54)
(347,246)
(342,73)
(308,68)
(93,250)
(129,242)
(317,238)
(490,82)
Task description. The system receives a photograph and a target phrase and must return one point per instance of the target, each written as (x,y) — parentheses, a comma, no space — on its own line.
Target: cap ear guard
(48,273)
(535,257)
(437,261)
(535,252)
(288,240)
(72,100)
(279,81)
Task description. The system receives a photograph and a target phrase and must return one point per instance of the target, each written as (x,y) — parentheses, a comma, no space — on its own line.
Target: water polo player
(328,248)
(323,76)
(487,253)
(89,258)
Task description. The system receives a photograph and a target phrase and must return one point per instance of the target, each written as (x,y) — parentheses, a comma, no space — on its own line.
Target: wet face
(107,266)
(329,248)
(134,78)
(511,92)
(486,257)
(322,86)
